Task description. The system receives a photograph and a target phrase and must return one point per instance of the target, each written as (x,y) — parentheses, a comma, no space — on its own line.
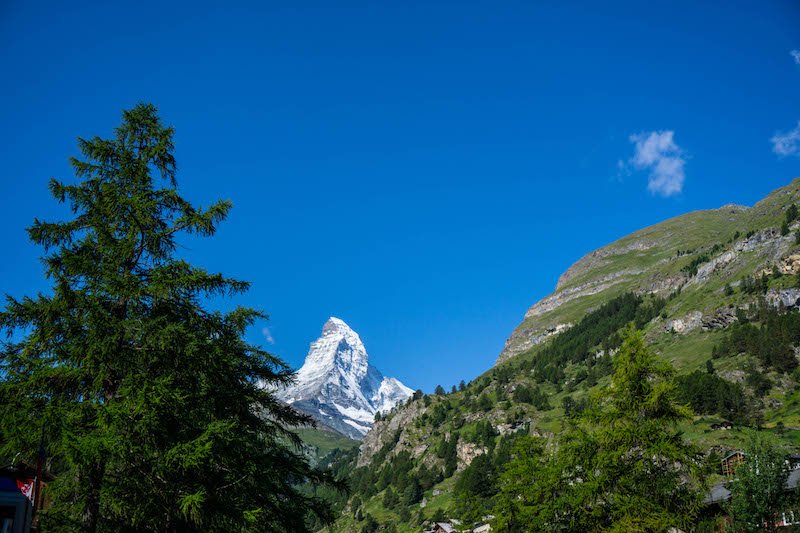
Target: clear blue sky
(424,171)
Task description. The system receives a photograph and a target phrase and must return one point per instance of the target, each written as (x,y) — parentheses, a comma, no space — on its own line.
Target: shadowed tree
(154,409)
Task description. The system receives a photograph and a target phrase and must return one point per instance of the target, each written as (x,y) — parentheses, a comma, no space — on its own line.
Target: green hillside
(321,441)
(711,290)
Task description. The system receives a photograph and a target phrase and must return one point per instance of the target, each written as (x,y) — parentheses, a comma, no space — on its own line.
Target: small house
(731,462)
(443,527)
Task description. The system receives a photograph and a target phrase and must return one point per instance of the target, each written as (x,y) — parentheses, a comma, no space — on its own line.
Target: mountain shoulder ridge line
(649,260)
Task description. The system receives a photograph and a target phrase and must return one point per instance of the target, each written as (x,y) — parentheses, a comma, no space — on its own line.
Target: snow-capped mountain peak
(337,385)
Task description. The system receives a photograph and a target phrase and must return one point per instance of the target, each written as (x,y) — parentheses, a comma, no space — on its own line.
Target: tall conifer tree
(621,464)
(156,414)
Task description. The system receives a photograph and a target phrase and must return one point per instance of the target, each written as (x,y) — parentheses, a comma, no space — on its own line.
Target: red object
(25,486)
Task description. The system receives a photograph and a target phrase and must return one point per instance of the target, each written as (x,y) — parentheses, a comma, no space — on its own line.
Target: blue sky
(424,171)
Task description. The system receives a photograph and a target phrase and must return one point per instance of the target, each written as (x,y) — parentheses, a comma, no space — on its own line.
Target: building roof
(445,526)
(794,479)
(720,493)
(732,454)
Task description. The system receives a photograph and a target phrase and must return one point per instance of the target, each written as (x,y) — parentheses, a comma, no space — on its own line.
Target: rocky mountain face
(650,261)
(339,387)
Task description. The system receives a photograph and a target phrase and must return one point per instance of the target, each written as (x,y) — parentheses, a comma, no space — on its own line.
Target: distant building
(731,462)
(715,500)
(443,527)
(722,425)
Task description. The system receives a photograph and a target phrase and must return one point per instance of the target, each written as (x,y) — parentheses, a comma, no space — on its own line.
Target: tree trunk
(91,512)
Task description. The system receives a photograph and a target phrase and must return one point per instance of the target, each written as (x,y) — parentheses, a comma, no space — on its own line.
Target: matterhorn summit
(337,385)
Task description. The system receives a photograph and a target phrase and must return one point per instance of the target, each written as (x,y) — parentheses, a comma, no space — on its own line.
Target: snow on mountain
(337,385)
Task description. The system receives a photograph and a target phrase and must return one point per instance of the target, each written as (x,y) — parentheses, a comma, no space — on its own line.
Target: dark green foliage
(525,488)
(438,414)
(784,229)
(597,329)
(757,381)
(478,483)
(478,479)
(448,452)
(428,477)
(412,493)
(439,390)
(370,524)
(532,395)
(709,394)
(153,409)
(771,342)
(485,402)
(791,214)
(728,290)
(483,434)
(571,407)
(390,498)
(758,494)
(621,465)
(751,285)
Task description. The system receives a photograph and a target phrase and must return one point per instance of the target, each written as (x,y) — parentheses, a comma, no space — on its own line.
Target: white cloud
(787,143)
(267,335)
(795,55)
(657,152)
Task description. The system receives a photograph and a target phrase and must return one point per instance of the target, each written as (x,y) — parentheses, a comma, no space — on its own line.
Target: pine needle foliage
(155,413)
(621,465)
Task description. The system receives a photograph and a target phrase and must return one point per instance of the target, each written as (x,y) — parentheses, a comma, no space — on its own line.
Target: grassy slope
(324,441)
(697,232)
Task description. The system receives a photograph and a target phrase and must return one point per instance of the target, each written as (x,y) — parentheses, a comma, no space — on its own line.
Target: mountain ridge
(642,261)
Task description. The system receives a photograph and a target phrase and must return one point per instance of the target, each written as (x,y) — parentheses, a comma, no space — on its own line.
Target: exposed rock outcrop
(788,298)
(386,430)
(790,265)
(716,264)
(467,452)
(684,325)
(719,319)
